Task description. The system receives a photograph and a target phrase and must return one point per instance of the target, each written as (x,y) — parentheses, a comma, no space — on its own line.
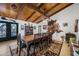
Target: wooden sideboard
(69,35)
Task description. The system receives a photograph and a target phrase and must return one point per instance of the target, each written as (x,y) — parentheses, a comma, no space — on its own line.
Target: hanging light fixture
(14,6)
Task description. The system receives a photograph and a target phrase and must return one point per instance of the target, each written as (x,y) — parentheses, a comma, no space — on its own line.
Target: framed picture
(22,27)
(28,30)
(34,27)
(76,25)
(65,24)
(44,26)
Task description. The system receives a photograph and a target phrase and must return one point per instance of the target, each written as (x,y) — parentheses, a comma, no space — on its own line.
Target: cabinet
(70,35)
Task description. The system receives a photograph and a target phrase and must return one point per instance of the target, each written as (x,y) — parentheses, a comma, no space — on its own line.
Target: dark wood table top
(29,38)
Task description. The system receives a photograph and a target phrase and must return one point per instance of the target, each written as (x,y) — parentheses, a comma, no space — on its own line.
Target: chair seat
(23,45)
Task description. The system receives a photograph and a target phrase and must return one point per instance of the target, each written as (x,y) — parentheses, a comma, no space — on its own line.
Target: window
(13,29)
(2,30)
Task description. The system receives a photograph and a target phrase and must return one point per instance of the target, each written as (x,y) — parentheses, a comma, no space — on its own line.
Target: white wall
(43,23)
(35,30)
(19,27)
(20,22)
(68,15)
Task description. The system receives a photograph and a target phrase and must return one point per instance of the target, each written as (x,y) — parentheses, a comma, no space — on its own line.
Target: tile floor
(4,47)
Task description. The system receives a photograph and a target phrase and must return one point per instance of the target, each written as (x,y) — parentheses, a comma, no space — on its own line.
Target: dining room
(39,29)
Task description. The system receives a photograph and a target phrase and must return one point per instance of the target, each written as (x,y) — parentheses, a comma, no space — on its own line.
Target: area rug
(52,50)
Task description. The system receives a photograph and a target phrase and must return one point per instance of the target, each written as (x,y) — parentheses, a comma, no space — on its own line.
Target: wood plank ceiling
(32,12)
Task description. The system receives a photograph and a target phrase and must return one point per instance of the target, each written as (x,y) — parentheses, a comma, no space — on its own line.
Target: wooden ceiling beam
(31,15)
(46,11)
(56,11)
(39,21)
(37,9)
(40,5)
(45,14)
(52,8)
(61,9)
(36,18)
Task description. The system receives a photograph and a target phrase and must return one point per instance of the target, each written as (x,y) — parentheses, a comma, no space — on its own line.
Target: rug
(52,50)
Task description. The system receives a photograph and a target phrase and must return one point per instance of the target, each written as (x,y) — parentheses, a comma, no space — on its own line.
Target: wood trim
(52,7)
(41,5)
(39,21)
(36,18)
(37,9)
(30,15)
(61,9)
(58,10)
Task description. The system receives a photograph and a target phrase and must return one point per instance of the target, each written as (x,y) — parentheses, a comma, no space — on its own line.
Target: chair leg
(17,50)
(10,51)
(20,51)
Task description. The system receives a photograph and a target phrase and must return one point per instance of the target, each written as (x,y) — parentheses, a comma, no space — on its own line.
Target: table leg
(34,48)
(27,50)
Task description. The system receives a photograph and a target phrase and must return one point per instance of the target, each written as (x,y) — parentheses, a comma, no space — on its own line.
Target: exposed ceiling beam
(61,9)
(52,8)
(40,5)
(56,11)
(39,21)
(37,18)
(37,9)
(31,15)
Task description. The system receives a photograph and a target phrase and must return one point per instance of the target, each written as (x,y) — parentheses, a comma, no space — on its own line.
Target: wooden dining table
(31,39)
(28,40)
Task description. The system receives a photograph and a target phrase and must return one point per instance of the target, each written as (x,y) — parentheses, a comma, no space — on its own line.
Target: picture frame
(34,27)
(65,24)
(44,26)
(22,27)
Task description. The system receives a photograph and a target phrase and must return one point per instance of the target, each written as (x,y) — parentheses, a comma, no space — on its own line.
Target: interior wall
(20,22)
(42,24)
(35,30)
(68,15)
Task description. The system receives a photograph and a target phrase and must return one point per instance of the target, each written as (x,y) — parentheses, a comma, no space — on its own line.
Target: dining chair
(37,42)
(43,41)
(21,44)
(31,48)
